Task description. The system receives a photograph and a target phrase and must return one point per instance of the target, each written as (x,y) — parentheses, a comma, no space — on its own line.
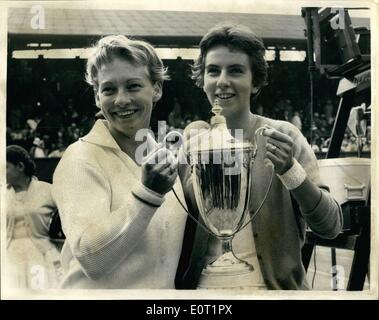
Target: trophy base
(225,273)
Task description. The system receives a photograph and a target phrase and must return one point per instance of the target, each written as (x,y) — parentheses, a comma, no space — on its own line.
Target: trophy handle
(258,132)
(204,227)
(173,133)
(164,141)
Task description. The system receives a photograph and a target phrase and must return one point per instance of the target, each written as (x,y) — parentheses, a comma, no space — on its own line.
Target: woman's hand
(159,170)
(279,150)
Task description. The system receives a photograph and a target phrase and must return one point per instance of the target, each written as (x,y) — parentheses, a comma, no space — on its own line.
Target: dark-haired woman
(231,68)
(32,260)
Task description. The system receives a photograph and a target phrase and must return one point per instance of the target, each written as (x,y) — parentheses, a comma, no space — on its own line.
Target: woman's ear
(157,93)
(20,166)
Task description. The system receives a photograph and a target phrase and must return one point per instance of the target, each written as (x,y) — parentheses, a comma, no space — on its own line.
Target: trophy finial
(218,117)
(216,110)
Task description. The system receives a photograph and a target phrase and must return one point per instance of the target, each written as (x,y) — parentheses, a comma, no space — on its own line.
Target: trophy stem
(227,245)
(227,271)
(227,252)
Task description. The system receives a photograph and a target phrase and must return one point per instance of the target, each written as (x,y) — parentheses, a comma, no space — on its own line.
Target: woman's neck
(127,144)
(246,122)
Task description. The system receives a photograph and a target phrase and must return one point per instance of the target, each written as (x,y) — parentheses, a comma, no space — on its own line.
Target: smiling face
(228,78)
(125,95)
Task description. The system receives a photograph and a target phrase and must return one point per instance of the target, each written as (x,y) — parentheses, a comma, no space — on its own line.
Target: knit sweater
(119,234)
(278,229)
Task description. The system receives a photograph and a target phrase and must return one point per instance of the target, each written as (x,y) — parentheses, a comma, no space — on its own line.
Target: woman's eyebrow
(106,83)
(134,79)
(211,66)
(111,82)
(237,65)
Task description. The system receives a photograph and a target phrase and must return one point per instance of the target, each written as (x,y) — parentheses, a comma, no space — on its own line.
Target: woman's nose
(223,79)
(122,98)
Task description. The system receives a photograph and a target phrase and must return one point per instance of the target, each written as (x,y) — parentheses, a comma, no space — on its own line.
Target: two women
(123,225)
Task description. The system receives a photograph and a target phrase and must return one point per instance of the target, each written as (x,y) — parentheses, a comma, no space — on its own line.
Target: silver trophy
(221,167)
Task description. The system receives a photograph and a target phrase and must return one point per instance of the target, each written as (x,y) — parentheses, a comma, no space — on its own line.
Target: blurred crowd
(48,135)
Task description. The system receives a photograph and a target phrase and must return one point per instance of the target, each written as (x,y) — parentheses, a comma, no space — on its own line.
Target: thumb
(268,163)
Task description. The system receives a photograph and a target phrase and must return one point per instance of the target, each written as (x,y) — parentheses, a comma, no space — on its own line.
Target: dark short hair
(235,37)
(137,52)
(17,154)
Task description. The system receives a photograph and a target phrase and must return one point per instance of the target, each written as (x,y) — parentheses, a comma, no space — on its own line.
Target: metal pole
(311,68)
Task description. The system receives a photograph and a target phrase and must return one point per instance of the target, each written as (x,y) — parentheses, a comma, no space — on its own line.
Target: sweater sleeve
(326,218)
(99,238)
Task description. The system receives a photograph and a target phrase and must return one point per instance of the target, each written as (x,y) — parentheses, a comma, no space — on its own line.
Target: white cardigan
(114,238)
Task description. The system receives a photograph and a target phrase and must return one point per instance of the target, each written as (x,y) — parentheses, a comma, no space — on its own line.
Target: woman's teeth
(224,96)
(126,113)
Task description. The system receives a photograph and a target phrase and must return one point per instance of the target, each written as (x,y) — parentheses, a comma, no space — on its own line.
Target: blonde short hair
(137,52)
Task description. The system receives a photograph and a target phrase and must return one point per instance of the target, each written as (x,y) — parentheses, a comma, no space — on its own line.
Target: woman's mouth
(224,96)
(126,113)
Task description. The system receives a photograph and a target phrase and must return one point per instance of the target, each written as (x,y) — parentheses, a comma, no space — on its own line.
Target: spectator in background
(38,148)
(328,111)
(33,123)
(175,119)
(325,144)
(345,146)
(58,150)
(352,144)
(70,113)
(366,144)
(296,120)
(29,207)
(49,125)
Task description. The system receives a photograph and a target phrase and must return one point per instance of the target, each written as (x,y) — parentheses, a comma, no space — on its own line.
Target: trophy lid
(218,136)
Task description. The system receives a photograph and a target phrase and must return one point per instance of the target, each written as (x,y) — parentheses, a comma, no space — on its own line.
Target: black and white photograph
(189,150)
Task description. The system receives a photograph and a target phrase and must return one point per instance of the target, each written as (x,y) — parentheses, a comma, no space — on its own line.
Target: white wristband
(294,176)
(147,195)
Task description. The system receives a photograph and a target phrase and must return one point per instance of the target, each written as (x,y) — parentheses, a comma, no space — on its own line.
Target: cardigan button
(259,257)
(255,235)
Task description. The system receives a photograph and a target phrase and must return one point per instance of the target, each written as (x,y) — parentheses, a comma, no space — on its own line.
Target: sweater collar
(101,135)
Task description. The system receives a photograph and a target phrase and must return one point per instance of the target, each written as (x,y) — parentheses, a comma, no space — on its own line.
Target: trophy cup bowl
(221,180)
(221,167)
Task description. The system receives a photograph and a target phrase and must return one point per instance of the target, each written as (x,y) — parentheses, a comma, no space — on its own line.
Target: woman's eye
(107,90)
(236,70)
(212,70)
(134,86)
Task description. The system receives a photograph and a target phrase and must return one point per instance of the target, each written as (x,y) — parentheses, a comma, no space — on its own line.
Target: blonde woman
(123,225)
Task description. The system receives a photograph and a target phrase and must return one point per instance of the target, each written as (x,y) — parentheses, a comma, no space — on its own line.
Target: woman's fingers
(276,150)
(285,146)
(277,135)
(160,171)
(279,149)
(171,170)
(276,160)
